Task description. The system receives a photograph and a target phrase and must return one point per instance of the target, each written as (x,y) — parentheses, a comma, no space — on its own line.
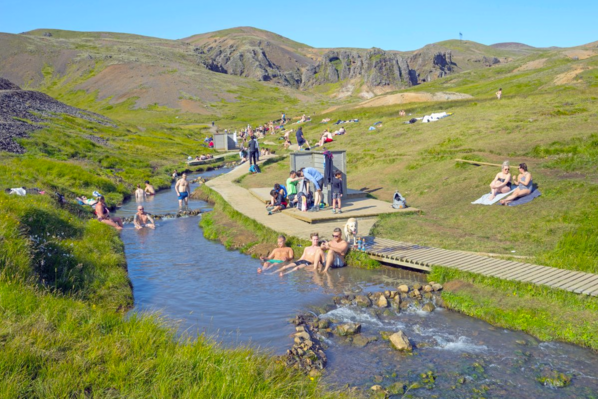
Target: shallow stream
(204,288)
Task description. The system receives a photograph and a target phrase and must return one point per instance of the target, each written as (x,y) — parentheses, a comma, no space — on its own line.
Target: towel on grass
(483,200)
(526,199)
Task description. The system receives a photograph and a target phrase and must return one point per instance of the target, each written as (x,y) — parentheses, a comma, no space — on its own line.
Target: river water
(201,287)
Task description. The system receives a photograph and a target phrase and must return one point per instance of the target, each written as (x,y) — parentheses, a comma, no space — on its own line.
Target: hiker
(301,139)
(143,219)
(292,187)
(139,193)
(103,215)
(317,179)
(276,204)
(254,150)
(525,185)
(283,117)
(502,181)
(325,138)
(499,93)
(278,255)
(149,189)
(182,190)
(337,249)
(337,191)
(312,256)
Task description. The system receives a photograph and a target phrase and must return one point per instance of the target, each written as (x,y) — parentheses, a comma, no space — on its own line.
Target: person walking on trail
(182,190)
(337,249)
(317,179)
(301,139)
(254,151)
(499,93)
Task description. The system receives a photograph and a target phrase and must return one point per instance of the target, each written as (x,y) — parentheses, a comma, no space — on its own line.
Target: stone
(400,342)
(428,288)
(323,323)
(382,302)
(387,294)
(363,301)
(417,286)
(393,294)
(305,335)
(428,307)
(428,295)
(348,329)
(415,294)
(397,388)
(404,288)
(360,341)
(377,388)
(437,287)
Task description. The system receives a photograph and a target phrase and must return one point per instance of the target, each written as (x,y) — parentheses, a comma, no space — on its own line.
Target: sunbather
(502,181)
(340,132)
(525,185)
(278,255)
(103,215)
(325,138)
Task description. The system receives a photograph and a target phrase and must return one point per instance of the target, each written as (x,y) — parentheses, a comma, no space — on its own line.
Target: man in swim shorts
(278,255)
(312,256)
(337,249)
(143,219)
(182,190)
(149,189)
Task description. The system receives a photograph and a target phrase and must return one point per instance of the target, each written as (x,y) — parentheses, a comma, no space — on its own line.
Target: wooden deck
(423,258)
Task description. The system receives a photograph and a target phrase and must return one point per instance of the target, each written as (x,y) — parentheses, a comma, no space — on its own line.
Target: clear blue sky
(390,25)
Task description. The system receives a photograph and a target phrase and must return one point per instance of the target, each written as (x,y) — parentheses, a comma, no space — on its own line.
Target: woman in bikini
(502,181)
(103,215)
(525,185)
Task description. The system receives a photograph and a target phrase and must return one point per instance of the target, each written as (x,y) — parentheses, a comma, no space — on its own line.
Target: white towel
(483,200)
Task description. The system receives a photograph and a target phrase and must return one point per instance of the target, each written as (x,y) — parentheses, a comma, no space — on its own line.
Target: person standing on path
(182,190)
(317,179)
(337,192)
(292,187)
(301,139)
(499,93)
(254,150)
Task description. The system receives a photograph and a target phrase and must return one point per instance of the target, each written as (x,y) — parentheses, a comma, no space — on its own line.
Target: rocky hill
(21,110)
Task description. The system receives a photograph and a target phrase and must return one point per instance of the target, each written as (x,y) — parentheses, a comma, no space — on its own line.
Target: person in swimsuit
(278,255)
(312,256)
(337,249)
(499,93)
(139,193)
(149,189)
(182,190)
(525,185)
(502,181)
(143,219)
(103,215)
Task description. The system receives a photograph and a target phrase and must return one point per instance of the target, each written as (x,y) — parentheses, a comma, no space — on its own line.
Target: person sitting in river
(337,249)
(279,255)
(139,193)
(276,204)
(313,256)
(149,189)
(143,219)
(502,181)
(103,215)
(525,185)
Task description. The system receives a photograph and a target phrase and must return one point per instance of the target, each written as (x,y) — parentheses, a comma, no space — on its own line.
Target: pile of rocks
(20,108)
(307,353)
(179,214)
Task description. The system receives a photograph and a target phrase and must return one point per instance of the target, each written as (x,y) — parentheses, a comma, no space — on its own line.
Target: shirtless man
(182,190)
(142,219)
(149,189)
(277,256)
(312,256)
(337,249)
(139,193)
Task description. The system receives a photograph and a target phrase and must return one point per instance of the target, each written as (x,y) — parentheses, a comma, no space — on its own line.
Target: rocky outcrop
(20,109)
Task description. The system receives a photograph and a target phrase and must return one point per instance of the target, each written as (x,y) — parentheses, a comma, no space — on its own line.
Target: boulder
(428,307)
(348,329)
(363,301)
(437,287)
(428,288)
(404,288)
(382,302)
(400,342)
(361,340)
(323,323)
(417,286)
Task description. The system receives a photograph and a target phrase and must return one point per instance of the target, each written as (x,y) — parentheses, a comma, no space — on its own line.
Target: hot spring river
(203,288)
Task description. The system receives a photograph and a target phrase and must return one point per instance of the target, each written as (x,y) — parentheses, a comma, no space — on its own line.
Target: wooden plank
(553,278)
(399,263)
(536,272)
(573,281)
(556,280)
(512,269)
(593,280)
(594,292)
(490,265)
(452,259)
(544,277)
(519,273)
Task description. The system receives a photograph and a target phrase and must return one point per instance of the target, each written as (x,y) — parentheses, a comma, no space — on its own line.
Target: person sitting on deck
(525,185)
(313,256)
(337,249)
(143,219)
(103,215)
(276,204)
(502,181)
(278,255)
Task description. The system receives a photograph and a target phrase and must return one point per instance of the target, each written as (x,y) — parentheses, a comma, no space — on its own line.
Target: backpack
(252,169)
(398,201)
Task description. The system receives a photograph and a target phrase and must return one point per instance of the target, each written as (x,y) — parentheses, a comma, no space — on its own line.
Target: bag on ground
(398,201)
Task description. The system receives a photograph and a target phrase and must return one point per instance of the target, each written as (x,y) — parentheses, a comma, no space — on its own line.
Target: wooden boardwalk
(423,258)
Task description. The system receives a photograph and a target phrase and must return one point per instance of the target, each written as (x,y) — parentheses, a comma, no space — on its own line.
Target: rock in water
(404,288)
(428,307)
(400,342)
(363,301)
(348,329)
(437,287)
(428,288)
(382,302)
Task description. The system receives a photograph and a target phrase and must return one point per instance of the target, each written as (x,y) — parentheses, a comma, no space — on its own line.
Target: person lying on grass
(143,219)
(276,204)
(313,256)
(278,255)
(103,215)
(502,181)
(525,185)
(325,138)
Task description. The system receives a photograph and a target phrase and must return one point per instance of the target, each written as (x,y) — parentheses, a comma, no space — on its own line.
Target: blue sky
(390,25)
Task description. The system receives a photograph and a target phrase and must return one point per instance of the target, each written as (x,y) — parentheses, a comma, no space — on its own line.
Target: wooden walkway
(423,258)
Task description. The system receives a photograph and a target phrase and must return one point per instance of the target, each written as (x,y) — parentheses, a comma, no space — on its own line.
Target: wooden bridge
(423,258)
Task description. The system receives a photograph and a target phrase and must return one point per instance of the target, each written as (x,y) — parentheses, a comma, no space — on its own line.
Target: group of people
(504,183)
(319,256)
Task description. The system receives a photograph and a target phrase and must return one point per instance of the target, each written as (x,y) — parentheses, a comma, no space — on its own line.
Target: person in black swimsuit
(502,181)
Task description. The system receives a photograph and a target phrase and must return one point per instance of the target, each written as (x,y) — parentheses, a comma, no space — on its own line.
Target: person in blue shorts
(182,190)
